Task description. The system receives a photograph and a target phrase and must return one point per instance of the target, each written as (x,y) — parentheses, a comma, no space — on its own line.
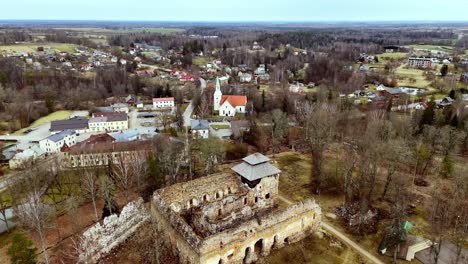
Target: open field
(411,77)
(32,47)
(220,126)
(432,47)
(199,61)
(59,115)
(396,55)
(129,30)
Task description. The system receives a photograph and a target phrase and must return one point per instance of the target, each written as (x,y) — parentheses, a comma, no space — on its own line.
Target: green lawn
(59,115)
(32,47)
(199,61)
(220,126)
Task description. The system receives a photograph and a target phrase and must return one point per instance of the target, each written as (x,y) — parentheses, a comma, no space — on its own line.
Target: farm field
(32,47)
(410,77)
(432,47)
(130,30)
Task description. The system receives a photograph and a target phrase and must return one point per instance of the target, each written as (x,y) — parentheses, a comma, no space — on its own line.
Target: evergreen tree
(452,94)
(154,171)
(444,70)
(21,250)
(428,115)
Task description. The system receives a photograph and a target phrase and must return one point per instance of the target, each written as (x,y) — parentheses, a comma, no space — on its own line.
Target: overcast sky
(237,10)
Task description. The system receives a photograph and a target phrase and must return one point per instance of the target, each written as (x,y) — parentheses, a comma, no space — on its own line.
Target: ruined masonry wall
(99,240)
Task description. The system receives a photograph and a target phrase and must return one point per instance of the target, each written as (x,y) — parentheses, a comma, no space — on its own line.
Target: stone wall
(100,239)
(273,230)
(237,245)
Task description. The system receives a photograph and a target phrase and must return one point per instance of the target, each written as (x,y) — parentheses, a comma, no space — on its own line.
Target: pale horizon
(238,11)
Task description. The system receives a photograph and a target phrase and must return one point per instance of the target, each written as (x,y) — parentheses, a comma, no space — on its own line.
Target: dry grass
(32,47)
(314,250)
(58,115)
(296,185)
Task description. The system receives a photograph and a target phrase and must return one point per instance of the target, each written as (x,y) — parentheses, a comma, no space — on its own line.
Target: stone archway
(247,255)
(258,247)
(275,242)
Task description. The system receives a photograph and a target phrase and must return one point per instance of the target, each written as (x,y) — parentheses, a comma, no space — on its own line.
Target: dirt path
(343,238)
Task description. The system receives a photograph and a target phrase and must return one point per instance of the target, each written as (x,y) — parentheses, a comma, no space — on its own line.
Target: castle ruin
(231,217)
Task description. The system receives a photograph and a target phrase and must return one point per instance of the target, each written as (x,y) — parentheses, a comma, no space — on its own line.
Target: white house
(55,142)
(228,105)
(25,157)
(200,128)
(120,107)
(160,103)
(245,77)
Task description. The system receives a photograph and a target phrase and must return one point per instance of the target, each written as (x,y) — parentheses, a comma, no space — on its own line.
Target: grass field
(130,30)
(32,47)
(432,47)
(59,115)
(220,126)
(405,76)
(199,61)
(396,55)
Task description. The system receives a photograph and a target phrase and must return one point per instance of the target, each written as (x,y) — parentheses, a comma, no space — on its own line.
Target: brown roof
(103,147)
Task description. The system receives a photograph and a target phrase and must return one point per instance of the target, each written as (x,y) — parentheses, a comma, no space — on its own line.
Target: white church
(228,105)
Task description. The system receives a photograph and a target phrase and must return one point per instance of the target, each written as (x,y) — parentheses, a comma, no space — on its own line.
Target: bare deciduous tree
(89,187)
(35,215)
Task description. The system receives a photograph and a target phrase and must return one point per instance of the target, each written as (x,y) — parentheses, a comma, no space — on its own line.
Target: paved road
(343,238)
(188,111)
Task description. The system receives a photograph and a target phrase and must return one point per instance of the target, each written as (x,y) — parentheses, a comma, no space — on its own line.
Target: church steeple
(217,95)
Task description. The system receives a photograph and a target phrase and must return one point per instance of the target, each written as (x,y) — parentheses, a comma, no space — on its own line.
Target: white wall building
(55,142)
(200,128)
(228,105)
(163,103)
(110,123)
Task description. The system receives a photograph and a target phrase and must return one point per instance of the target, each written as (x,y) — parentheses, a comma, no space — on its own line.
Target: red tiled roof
(234,100)
(163,99)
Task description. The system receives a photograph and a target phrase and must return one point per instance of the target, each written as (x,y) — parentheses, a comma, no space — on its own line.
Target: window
(267,196)
(256,199)
(245,200)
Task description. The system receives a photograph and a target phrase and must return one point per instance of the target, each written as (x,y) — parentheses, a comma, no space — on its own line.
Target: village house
(228,105)
(464,77)
(55,142)
(163,103)
(26,157)
(245,77)
(130,100)
(200,128)
(239,221)
(421,62)
(120,107)
(109,122)
(148,73)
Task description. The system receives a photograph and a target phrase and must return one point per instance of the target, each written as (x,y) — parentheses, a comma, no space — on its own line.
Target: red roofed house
(228,105)
(187,78)
(167,102)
